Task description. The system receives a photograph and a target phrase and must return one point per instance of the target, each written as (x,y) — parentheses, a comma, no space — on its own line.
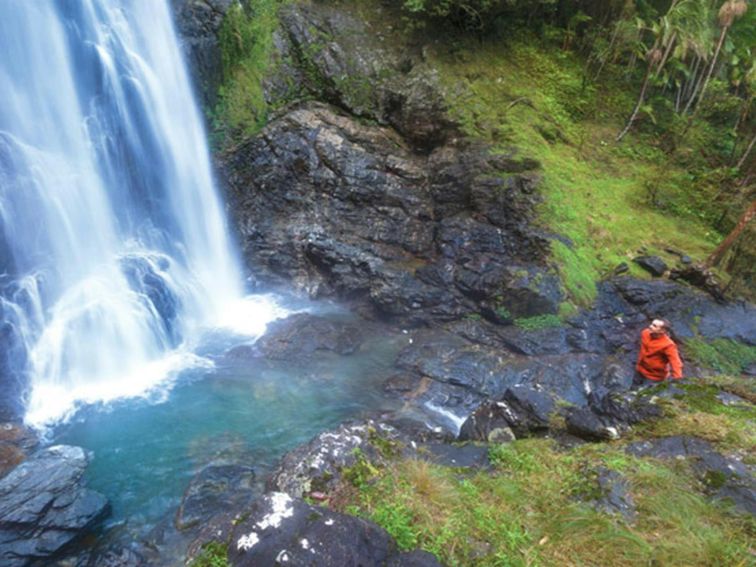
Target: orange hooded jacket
(658,357)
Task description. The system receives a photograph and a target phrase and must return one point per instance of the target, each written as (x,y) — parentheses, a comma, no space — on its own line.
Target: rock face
(281,530)
(608,417)
(341,209)
(198,23)
(44,507)
(301,335)
(400,215)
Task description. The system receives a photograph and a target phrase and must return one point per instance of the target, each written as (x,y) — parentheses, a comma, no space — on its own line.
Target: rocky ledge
(44,507)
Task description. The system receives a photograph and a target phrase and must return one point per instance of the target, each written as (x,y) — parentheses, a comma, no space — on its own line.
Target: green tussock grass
(722,355)
(608,199)
(246,42)
(213,554)
(530,511)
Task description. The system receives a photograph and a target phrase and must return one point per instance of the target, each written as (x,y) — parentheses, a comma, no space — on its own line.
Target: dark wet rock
(283,530)
(317,465)
(302,334)
(609,416)
(466,455)
(531,409)
(217,487)
(44,507)
(551,340)
(353,67)
(13,356)
(114,557)
(729,399)
(700,277)
(456,375)
(626,305)
(521,410)
(338,208)
(198,23)
(418,431)
(703,457)
(750,370)
(621,268)
(614,494)
(16,442)
(740,496)
(652,264)
(489,422)
(416,558)
(726,477)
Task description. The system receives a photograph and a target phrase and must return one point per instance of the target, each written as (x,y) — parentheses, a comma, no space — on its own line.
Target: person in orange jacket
(658,358)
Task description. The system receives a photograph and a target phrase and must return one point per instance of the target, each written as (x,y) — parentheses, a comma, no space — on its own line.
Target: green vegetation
(527,512)
(246,40)
(600,195)
(214,554)
(535,507)
(559,82)
(538,322)
(722,355)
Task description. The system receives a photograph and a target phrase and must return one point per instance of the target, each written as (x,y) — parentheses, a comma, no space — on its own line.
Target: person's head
(660,327)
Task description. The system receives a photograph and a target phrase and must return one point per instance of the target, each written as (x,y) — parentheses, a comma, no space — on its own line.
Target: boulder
(521,411)
(317,466)
(609,416)
(44,507)
(217,487)
(613,495)
(652,264)
(301,335)
(280,529)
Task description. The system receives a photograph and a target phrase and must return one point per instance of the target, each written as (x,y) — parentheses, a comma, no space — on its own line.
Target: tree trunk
(666,53)
(711,70)
(716,256)
(641,97)
(743,158)
(691,82)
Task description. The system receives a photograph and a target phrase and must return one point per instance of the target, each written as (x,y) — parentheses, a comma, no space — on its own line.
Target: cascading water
(113,247)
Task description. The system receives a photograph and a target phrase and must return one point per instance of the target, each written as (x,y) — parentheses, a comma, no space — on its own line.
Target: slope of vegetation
(563,81)
(536,505)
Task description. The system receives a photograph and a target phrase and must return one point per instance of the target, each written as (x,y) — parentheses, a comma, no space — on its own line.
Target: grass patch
(609,200)
(246,42)
(723,355)
(213,554)
(538,322)
(527,512)
(698,412)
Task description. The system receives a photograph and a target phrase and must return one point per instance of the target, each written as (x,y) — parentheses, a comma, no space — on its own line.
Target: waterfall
(113,246)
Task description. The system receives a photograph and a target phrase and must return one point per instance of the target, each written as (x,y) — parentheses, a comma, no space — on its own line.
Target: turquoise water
(145,451)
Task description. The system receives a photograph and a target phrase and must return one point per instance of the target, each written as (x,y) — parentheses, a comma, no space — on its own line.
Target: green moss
(595,193)
(246,41)
(360,473)
(213,554)
(386,447)
(538,322)
(723,355)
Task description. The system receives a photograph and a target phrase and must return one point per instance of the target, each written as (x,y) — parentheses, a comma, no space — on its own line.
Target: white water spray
(113,247)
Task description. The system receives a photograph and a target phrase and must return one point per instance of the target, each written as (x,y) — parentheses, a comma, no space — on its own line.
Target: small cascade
(114,251)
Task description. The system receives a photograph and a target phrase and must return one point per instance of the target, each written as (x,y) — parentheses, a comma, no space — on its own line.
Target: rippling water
(146,450)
